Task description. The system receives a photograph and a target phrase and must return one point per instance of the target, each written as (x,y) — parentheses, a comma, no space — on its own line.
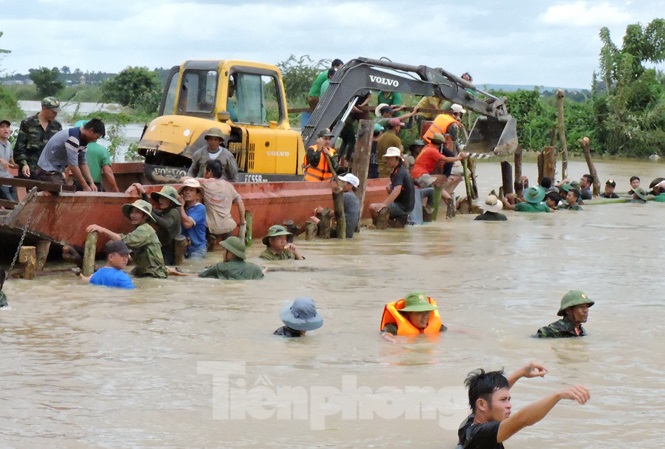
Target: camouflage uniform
(146,252)
(31,140)
(563,328)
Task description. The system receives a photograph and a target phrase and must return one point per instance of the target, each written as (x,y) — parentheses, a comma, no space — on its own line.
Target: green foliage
(8,106)
(136,87)
(298,74)
(629,110)
(47,81)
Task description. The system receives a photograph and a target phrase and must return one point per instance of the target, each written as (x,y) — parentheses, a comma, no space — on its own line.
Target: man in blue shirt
(112,275)
(193,215)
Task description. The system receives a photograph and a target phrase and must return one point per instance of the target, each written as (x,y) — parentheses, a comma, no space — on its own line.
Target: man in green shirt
(315,91)
(572,200)
(233,265)
(143,241)
(533,201)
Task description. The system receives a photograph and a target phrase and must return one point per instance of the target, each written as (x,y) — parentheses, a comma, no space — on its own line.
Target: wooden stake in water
(89,254)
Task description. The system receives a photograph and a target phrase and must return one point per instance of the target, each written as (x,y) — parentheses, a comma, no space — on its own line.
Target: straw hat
(190,182)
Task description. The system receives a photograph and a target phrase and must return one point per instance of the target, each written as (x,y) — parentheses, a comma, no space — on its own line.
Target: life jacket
(391,315)
(440,126)
(321,172)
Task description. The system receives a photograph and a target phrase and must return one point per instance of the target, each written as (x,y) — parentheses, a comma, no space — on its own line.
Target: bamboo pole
(249,219)
(89,254)
(436,201)
(561,131)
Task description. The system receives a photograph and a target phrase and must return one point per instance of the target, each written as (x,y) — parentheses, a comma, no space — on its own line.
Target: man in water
(491,421)
(575,310)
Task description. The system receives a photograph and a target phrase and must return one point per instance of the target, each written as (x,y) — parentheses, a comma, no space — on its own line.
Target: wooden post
(311,230)
(43,247)
(506,177)
(180,246)
(28,257)
(294,229)
(472,173)
(249,219)
(541,166)
(592,169)
(549,163)
(340,218)
(325,221)
(519,186)
(361,156)
(89,254)
(467,183)
(561,131)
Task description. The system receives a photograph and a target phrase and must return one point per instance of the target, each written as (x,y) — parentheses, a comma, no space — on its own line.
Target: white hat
(457,108)
(393,152)
(351,179)
(377,111)
(492,204)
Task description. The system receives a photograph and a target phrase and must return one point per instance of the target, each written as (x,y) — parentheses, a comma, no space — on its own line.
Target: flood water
(191,363)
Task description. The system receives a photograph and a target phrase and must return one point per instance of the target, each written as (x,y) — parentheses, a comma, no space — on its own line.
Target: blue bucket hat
(301,315)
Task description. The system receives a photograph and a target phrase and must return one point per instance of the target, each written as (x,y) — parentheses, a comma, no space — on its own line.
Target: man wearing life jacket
(318,159)
(414,315)
(448,123)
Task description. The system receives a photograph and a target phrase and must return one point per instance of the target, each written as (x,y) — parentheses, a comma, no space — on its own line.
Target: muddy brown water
(191,363)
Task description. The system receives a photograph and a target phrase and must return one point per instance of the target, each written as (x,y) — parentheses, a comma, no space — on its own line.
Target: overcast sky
(535,42)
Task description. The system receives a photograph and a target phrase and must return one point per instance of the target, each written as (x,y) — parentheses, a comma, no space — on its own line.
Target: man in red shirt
(428,171)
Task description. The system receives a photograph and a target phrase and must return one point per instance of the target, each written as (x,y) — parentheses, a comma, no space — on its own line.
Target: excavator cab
(497,136)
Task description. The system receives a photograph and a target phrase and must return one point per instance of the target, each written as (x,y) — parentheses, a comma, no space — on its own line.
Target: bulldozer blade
(498,137)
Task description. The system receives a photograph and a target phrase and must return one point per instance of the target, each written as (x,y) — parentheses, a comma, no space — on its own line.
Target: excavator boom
(495,132)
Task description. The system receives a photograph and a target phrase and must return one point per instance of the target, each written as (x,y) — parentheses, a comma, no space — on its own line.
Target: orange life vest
(440,126)
(321,172)
(391,315)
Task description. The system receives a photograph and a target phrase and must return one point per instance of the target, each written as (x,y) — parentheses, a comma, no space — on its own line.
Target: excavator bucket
(489,135)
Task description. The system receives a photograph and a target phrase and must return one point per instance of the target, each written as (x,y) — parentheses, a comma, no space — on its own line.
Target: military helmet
(573,298)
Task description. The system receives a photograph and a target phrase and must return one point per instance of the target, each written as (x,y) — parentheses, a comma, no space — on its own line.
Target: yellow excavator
(246,101)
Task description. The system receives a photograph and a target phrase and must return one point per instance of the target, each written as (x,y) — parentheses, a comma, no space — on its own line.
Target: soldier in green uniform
(33,134)
(234,265)
(575,311)
(572,200)
(533,201)
(143,241)
(277,247)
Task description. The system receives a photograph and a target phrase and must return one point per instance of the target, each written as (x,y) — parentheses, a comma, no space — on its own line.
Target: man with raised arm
(491,421)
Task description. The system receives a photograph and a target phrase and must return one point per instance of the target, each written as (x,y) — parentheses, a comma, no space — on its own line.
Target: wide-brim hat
(492,204)
(190,182)
(168,192)
(641,193)
(377,111)
(235,245)
(571,299)
(393,152)
(438,137)
(141,205)
(458,109)
(351,179)
(275,231)
(417,302)
(301,315)
(534,195)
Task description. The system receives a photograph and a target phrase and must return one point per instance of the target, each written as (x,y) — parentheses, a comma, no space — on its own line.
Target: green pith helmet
(235,245)
(571,299)
(141,205)
(168,192)
(641,193)
(534,195)
(417,302)
(214,132)
(440,138)
(274,231)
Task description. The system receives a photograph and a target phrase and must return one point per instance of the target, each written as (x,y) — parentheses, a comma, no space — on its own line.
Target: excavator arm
(494,132)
